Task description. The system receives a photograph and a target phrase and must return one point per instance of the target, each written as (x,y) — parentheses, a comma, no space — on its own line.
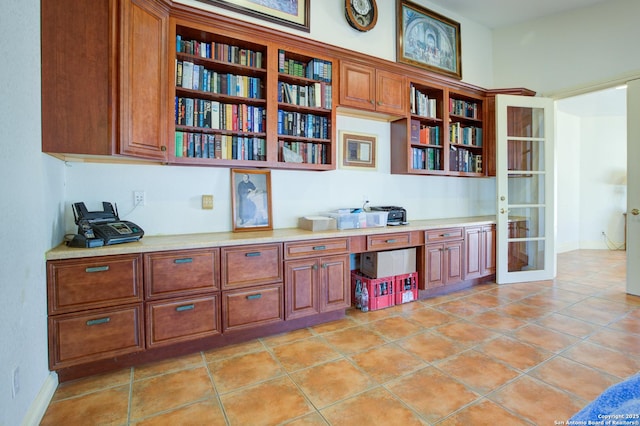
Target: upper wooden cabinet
(104,77)
(115,82)
(367,88)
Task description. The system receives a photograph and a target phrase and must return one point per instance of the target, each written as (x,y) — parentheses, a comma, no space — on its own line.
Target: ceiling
(501,13)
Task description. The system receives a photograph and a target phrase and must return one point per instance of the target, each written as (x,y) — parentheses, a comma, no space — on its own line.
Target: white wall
(173,194)
(568,182)
(569,50)
(31,202)
(591,157)
(603,165)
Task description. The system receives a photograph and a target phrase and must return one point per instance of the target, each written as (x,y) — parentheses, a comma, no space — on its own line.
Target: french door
(633,187)
(525,189)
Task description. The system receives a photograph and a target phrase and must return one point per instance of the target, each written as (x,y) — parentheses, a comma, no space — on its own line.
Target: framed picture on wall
(358,150)
(251,200)
(427,39)
(291,13)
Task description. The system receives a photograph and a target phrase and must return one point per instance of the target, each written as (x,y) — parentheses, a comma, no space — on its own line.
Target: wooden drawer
(310,248)
(180,320)
(252,307)
(245,266)
(444,234)
(183,272)
(97,282)
(389,241)
(91,336)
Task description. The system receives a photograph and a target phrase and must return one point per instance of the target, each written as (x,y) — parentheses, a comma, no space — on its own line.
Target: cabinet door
(94,335)
(183,272)
(335,284)
(144,87)
(79,42)
(489,250)
(434,264)
(90,283)
(474,247)
(173,321)
(251,265)
(391,93)
(357,86)
(250,307)
(302,289)
(453,262)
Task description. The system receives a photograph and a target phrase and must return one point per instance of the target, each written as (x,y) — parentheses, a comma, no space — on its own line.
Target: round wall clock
(361,14)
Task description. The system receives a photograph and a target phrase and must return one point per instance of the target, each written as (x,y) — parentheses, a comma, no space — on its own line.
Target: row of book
(464,108)
(426,135)
(470,135)
(220,52)
(317,95)
(422,104)
(427,158)
(221,147)
(197,77)
(315,69)
(215,115)
(303,125)
(463,160)
(303,152)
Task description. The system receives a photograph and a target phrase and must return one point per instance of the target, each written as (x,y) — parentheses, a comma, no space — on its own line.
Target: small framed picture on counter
(251,200)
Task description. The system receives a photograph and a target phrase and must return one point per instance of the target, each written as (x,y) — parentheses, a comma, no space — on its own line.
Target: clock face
(361,6)
(361,14)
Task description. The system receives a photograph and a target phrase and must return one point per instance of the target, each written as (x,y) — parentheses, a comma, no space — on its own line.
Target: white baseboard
(39,405)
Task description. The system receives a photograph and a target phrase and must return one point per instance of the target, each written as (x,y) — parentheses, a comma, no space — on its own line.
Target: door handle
(635,212)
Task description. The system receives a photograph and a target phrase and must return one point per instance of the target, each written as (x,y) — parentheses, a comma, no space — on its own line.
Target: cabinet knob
(635,212)
(163,148)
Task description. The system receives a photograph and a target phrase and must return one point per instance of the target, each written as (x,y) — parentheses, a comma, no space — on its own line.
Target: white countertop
(220,239)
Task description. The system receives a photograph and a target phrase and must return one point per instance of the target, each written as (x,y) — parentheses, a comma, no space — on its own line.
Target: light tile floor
(528,353)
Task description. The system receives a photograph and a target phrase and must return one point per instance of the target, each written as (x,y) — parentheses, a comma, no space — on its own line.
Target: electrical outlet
(207,202)
(139,198)
(15,382)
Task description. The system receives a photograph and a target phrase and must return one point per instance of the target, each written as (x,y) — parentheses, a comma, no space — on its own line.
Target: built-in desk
(165,296)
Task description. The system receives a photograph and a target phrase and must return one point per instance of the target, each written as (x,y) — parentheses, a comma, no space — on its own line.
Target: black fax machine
(102,228)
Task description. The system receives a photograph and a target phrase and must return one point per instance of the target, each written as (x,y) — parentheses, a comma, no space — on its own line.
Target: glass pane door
(525,189)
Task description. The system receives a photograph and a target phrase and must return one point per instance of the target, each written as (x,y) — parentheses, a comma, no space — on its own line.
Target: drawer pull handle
(445,235)
(185,308)
(391,241)
(185,260)
(253,254)
(98,321)
(254,296)
(319,247)
(97,269)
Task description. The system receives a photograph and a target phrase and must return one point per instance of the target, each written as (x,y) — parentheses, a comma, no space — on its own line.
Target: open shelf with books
(466,151)
(306,115)
(423,131)
(220,99)
(441,135)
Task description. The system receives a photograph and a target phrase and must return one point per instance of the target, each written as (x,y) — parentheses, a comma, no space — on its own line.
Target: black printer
(397,215)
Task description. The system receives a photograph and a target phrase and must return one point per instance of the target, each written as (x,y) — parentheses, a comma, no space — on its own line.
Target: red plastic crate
(381,290)
(405,288)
